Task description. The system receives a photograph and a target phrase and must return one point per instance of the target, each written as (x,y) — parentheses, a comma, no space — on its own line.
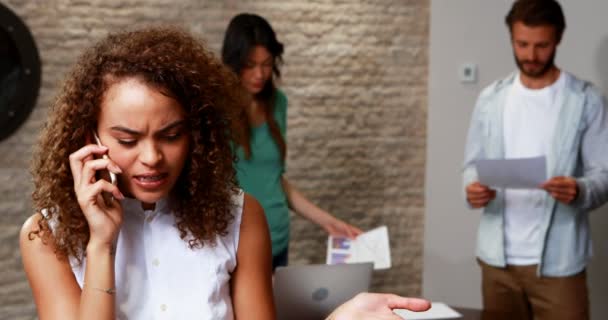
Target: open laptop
(312,291)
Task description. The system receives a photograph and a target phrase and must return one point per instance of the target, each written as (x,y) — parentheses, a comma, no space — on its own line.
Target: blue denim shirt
(579,149)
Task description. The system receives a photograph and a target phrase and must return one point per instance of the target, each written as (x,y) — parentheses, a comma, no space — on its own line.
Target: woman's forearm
(302,206)
(98,297)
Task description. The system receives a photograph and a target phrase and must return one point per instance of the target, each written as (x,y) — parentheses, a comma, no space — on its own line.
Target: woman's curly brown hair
(164,57)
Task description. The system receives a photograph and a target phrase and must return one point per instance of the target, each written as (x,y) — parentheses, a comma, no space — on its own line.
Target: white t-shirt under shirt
(158,276)
(529,119)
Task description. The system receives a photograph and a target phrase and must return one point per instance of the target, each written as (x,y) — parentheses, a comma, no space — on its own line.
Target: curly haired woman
(167,242)
(174,238)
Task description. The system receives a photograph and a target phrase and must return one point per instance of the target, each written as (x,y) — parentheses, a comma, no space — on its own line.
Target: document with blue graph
(371,246)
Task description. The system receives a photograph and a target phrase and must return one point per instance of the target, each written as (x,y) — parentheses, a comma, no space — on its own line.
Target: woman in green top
(253,52)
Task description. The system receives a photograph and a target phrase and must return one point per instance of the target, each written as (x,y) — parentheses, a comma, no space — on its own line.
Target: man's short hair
(537,13)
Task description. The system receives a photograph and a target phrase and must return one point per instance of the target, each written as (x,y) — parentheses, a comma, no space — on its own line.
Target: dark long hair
(244,32)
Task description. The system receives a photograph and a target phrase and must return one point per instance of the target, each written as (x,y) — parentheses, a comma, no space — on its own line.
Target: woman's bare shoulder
(28,239)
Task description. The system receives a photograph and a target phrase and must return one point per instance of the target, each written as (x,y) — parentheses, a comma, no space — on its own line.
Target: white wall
(473,31)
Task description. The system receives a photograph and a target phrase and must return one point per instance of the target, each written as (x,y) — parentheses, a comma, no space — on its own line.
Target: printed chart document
(371,246)
(438,310)
(520,173)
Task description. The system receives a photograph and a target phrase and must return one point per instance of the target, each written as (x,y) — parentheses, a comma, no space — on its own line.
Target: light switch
(468,73)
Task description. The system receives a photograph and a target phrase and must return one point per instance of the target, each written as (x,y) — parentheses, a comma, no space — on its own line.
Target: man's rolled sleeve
(593,185)
(474,145)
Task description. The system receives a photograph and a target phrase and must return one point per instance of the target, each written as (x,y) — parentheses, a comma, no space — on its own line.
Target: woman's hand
(104,217)
(338,228)
(302,206)
(376,306)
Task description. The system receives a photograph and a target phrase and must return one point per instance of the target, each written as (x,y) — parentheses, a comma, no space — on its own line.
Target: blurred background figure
(252,51)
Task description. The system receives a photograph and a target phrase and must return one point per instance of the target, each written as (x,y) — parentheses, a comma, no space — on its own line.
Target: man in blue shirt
(534,245)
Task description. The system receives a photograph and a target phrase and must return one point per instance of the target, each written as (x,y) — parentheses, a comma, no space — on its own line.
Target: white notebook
(438,310)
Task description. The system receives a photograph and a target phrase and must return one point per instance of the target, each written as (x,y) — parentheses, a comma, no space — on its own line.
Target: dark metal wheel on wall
(19,72)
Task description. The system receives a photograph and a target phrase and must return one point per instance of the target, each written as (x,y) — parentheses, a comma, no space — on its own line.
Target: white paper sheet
(371,246)
(438,310)
(521,173)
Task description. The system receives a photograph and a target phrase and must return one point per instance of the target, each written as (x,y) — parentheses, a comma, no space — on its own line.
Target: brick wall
(355,75)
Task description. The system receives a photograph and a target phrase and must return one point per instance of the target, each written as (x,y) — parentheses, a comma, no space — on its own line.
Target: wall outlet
(468,73)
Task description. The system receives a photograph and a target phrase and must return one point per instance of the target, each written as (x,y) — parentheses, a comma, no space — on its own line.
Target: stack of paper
(438,310)
(371,246)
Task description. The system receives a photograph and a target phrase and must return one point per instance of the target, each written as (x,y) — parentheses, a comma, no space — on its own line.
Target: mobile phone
(112,175)
(106,174)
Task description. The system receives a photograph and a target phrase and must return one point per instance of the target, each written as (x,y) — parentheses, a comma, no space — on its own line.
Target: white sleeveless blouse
(159,277)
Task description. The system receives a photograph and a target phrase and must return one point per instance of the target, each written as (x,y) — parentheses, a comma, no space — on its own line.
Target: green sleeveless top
(260,175)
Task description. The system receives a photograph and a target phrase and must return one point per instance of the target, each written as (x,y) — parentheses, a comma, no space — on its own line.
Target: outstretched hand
(377,306)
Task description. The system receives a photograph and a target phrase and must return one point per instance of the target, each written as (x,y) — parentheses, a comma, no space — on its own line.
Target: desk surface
(476,314)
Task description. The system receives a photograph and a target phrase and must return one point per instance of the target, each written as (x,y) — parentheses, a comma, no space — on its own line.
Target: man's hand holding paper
(563,189)
(479,195)
(522,173)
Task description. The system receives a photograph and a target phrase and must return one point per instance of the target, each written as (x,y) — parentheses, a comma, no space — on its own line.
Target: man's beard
(539,73)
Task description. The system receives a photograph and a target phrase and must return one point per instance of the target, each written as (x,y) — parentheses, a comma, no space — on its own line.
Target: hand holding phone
(95,192)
